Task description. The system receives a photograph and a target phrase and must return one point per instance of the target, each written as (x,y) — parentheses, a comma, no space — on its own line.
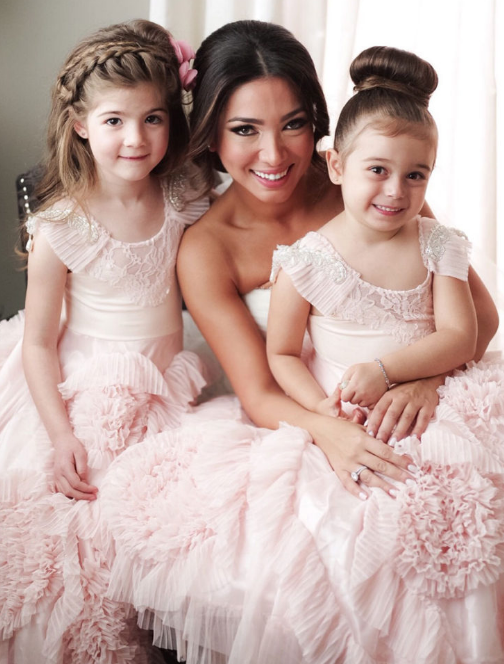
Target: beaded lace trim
(333,268)
(438,239)
(143,271)
(88,229)
(406,315)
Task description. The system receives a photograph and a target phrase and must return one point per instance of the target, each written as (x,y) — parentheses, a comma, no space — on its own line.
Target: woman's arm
(46,284)
(208,285)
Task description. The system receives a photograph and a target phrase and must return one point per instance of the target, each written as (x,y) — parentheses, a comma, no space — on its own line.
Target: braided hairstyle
(121,55)
(393,90)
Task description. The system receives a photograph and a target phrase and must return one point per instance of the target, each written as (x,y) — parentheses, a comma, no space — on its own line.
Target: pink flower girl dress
(238,544)
(124,376)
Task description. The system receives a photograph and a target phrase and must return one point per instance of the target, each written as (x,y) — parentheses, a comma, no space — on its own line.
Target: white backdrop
(458,37)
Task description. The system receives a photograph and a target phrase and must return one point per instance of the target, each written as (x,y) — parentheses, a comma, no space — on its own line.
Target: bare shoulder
(204,250)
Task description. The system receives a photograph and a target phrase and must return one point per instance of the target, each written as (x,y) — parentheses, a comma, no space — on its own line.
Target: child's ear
(334,165)
(80,129)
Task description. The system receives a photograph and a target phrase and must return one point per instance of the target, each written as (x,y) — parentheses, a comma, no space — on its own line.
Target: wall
(35,38)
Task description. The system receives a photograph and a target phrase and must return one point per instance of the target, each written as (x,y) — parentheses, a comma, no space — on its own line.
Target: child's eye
(296,123)
(244,130)
(113,122)
(153,119)
(416,175)
(379,170)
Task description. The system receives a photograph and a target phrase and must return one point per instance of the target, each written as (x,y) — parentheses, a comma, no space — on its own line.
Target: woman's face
(265,140)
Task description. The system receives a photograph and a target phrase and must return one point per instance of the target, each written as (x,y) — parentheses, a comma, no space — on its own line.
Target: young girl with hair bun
(384,268)
(95,362)
(259,545)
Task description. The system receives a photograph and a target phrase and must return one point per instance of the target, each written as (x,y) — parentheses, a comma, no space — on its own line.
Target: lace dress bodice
(334,288)
(115,288)
(359,320)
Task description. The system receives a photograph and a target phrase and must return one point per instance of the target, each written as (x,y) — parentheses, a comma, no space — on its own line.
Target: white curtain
(460,38)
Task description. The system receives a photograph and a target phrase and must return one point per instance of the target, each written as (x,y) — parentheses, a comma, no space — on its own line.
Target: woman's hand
(406,409)
(70,469)
(348,446)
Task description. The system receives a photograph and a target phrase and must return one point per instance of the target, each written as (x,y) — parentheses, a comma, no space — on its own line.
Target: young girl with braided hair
(95,362)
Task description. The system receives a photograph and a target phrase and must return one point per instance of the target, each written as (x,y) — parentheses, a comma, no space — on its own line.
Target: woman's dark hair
(236,54)
(393,89)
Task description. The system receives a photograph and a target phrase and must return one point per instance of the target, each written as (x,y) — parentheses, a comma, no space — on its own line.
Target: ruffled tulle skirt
(240,545)
(55,553)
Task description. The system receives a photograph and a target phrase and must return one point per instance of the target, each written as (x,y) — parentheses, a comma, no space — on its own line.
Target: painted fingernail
(410,482)
(371,433)
(363,496)
(392,442)
(343,384)
(413,469)
(394,493)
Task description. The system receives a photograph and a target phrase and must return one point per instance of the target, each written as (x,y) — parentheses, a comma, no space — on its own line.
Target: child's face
(128,131)
(384,178)
(264,139)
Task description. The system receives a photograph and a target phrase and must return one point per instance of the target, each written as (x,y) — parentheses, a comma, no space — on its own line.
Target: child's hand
(70,469)
(331,406)
(363,384)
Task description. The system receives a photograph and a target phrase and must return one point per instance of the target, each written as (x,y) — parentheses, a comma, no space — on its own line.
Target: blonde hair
(393,90)
(121,55)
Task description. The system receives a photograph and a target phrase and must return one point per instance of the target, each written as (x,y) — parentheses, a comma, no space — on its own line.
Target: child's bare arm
(46,284)
(451,345)
(287,322)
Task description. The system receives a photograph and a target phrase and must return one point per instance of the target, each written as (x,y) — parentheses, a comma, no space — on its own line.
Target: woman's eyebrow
(261,122)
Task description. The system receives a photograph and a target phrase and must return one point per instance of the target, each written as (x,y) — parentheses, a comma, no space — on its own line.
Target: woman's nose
(272,149)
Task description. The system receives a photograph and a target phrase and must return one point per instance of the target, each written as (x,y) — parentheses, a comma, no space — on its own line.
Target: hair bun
(394,69)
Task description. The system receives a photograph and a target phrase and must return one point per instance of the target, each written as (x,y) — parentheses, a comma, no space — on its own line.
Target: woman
(236,541)
(227,255)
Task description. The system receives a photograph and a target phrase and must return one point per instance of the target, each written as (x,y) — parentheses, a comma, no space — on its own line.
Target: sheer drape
(459,38)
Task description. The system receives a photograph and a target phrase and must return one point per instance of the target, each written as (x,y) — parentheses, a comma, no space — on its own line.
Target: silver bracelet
(380,364)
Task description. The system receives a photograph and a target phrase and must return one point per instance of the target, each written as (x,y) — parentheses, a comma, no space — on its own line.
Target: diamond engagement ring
(355,474)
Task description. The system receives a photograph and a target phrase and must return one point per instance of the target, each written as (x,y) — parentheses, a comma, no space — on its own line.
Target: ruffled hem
(119,398)
(240,543)
(55,555)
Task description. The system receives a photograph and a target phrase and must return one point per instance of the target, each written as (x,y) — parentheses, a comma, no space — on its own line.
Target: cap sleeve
(186,204)
(316,271)
(74,239)
(446,251)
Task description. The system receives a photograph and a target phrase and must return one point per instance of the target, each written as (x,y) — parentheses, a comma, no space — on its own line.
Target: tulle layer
(55,555)
(239,544)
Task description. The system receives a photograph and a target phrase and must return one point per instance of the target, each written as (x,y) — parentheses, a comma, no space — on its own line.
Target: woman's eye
(113,122)
(244,130)
(296,123)
(379,170)
(153,119)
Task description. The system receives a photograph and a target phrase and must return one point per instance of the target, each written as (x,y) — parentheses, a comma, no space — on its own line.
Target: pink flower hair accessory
(184,53)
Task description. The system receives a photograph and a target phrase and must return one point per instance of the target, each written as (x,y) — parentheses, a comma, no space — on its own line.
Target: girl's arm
(288,316)
(452,344)
(409,407)
(210,293)
(46,284)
